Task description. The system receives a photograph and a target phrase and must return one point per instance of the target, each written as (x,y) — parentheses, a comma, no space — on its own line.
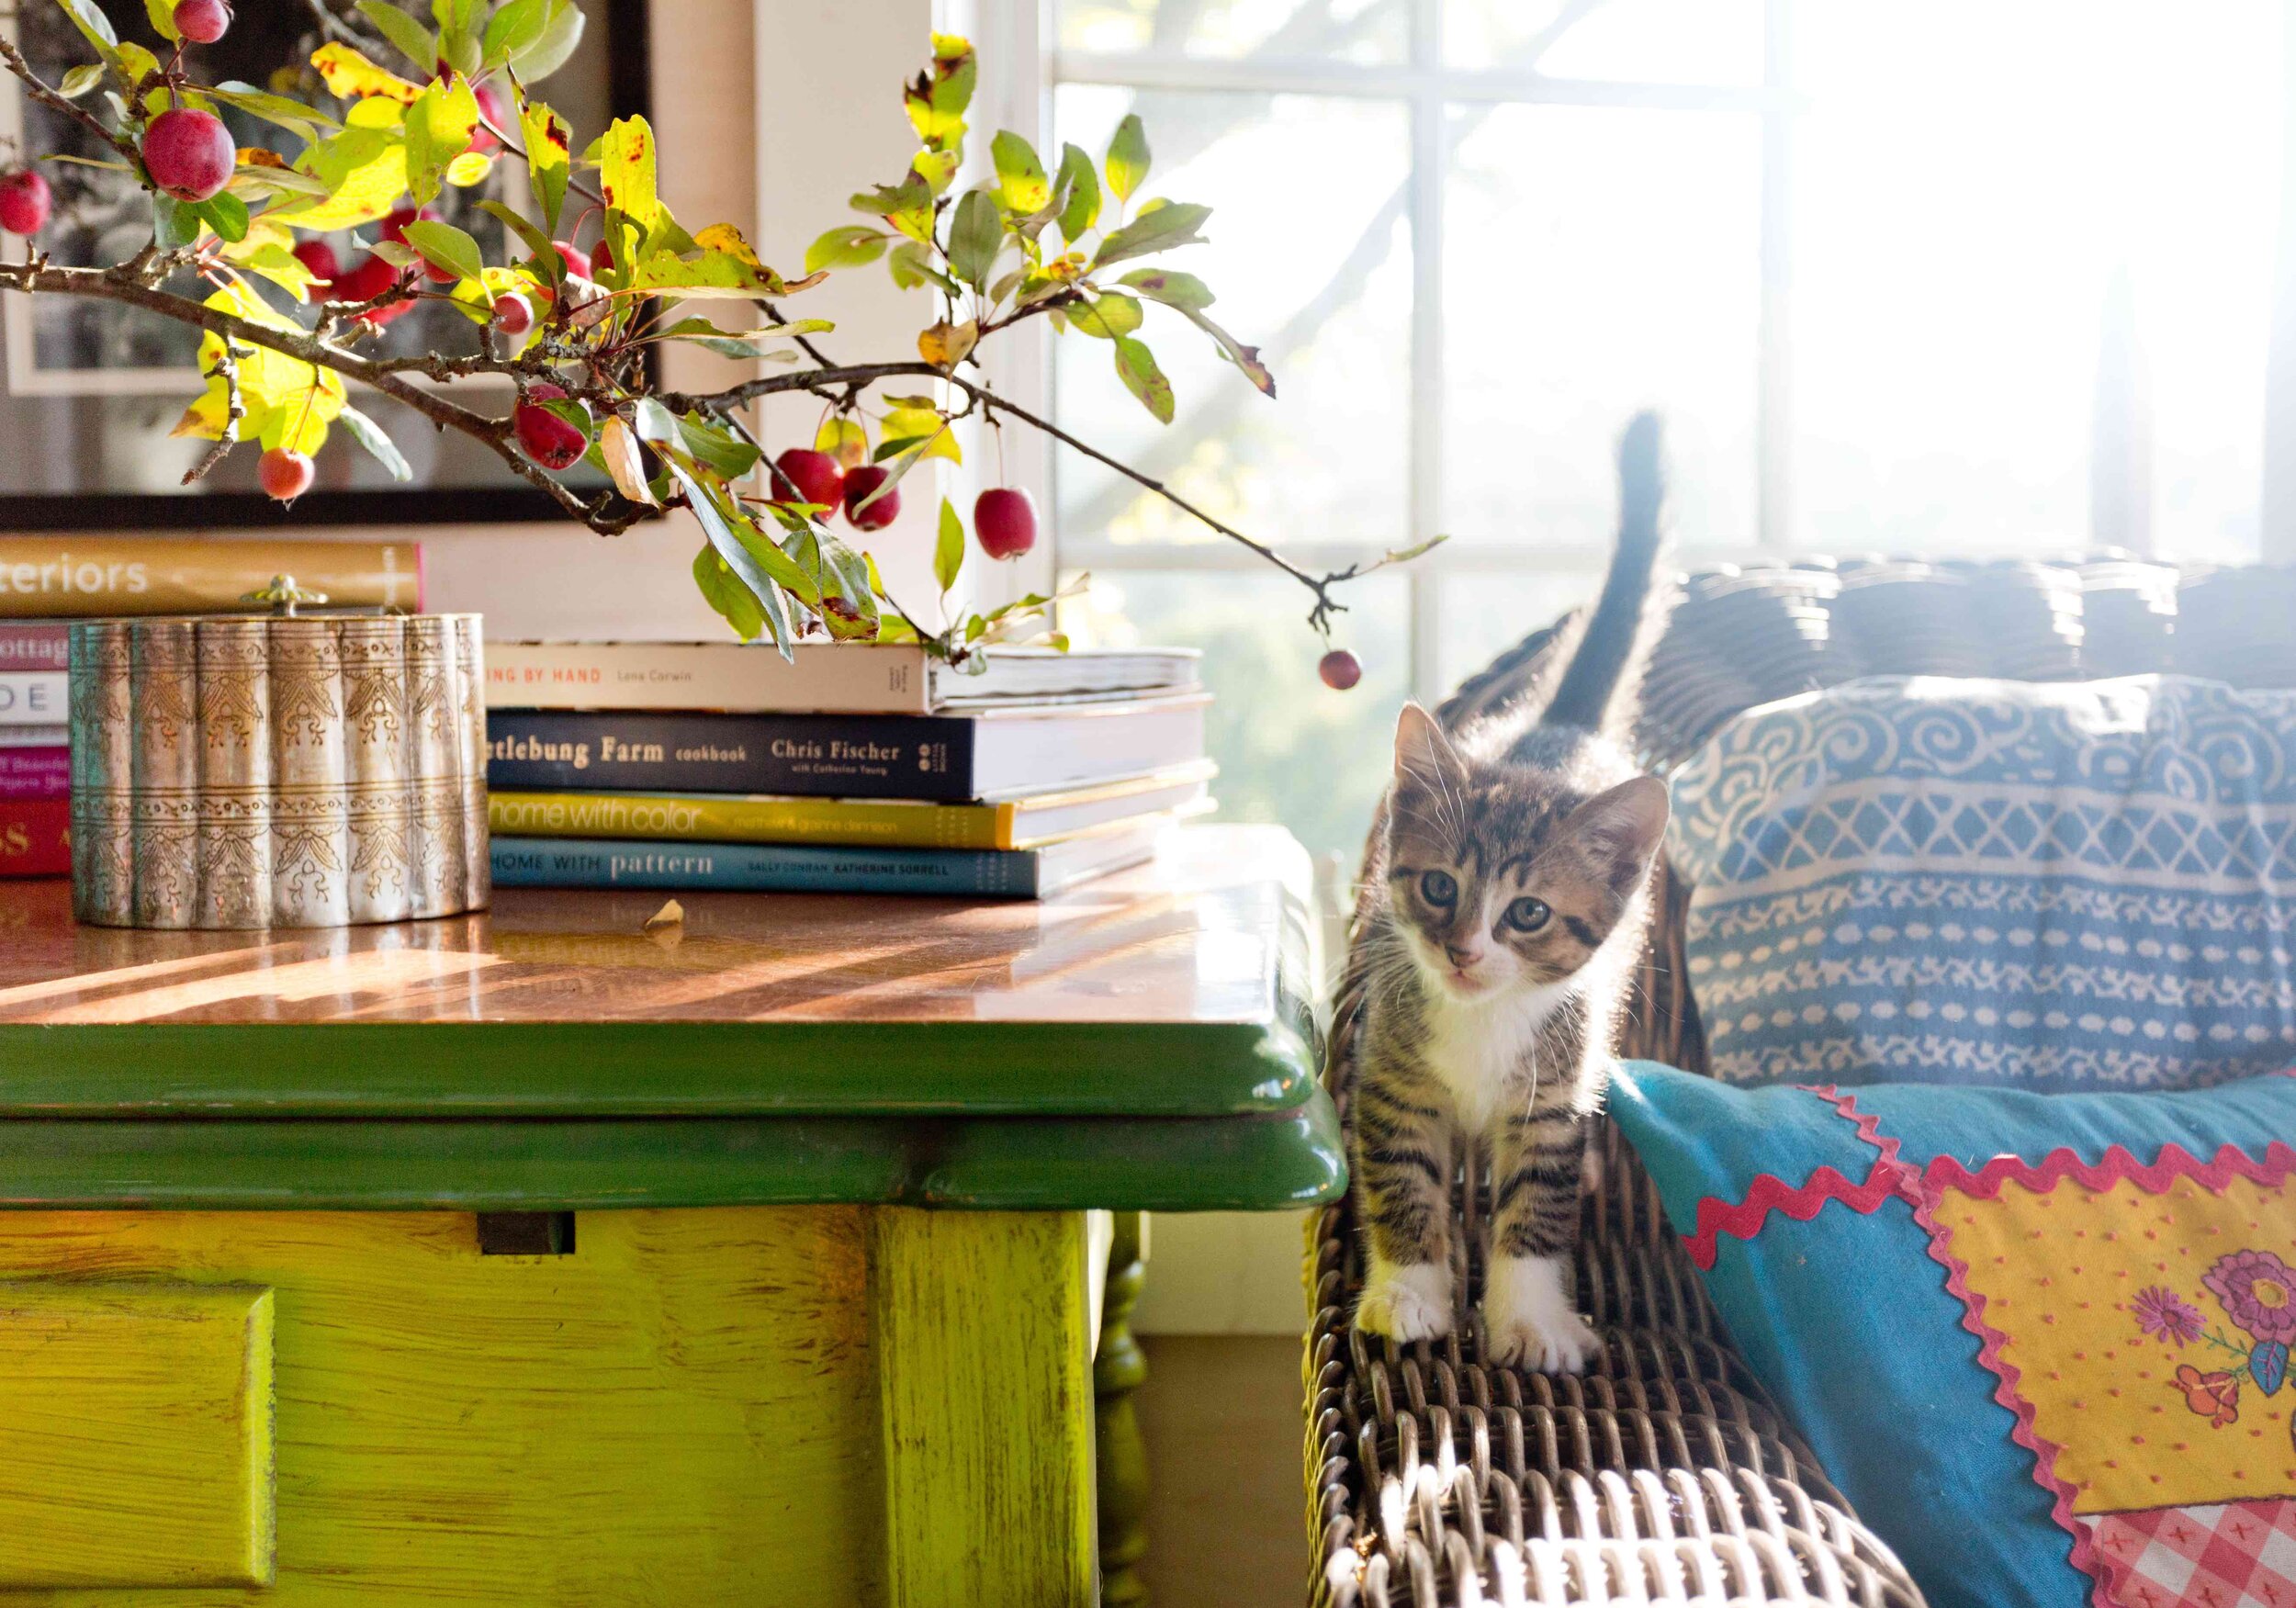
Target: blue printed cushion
(2040,1342)
(2060,887)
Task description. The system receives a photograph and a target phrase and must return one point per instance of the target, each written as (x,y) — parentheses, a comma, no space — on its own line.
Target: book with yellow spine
(725,817)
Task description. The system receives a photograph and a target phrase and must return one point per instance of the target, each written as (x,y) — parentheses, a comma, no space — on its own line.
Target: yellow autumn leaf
(944,344)
(288,402)
(724,237)
(351,76)
(916,420)
(625,171)
(366,173)
(470,168)
(843,440)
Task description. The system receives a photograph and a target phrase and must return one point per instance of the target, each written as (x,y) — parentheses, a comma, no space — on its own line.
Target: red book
(35,838)
(31,773)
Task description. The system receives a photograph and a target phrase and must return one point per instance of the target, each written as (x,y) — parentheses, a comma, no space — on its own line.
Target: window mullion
(1773,397)
(1426,504)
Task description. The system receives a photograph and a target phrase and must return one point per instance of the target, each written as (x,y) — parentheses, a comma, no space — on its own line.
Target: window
(1979,276)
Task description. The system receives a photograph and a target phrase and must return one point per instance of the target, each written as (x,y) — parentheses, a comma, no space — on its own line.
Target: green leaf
(715,446)
(1021,182)
(1107,318)
(370,434)
(625,171)
(756,562)
(1183,291)
(849,247)
(949,548)
(534,241)
(440,125)
(94,26)
(1156,229)
(724,592)
(654,422)
(408,37)
(460,52)
(911,267)
(1136,367)
(1128,158)
(1083,207)
(163,16)
(937,168)
(81,79)
(908,206)
(290,115)
(549,157)
(1190,296)
(173,222)
(515,27)
(561,36)
(445,246)
(226,214)
(974,237)
(713,273)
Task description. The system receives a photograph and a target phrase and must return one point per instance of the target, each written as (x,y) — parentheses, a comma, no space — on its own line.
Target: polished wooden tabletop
(1175,989)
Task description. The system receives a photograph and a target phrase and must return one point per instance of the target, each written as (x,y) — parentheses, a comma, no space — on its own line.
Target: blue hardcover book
(800,867)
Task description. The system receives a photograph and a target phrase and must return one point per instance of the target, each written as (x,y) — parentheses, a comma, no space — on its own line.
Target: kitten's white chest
(1481,1051)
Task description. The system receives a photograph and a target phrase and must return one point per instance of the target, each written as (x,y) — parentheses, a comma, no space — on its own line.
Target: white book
(34,697)
(825,678)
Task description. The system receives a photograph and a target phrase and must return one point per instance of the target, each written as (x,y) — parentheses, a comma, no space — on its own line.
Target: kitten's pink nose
(1463,955)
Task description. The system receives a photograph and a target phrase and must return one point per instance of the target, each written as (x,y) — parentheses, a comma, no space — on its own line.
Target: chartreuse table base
(279,1323)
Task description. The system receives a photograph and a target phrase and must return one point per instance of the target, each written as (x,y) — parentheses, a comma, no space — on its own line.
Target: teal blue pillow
(2076,887)
(2040,1342)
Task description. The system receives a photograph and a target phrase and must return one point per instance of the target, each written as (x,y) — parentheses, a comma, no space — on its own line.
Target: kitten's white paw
(1409,1303)
(1528,1320)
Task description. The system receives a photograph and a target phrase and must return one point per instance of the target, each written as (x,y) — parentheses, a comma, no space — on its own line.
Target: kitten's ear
(1423,754)
(1623,824)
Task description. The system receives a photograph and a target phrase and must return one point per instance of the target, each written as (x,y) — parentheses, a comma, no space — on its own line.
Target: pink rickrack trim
(1743,1219)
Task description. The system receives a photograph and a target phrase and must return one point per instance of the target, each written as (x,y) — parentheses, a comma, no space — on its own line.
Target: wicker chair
(1664,1475)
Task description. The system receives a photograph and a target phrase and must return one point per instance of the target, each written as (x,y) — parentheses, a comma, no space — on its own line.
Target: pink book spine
(34,773)
(34,644)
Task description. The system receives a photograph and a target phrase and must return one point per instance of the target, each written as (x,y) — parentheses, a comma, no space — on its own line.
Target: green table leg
(979,1331)
(1118,1370)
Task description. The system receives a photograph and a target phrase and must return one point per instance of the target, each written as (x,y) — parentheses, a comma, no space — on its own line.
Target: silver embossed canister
(280,770)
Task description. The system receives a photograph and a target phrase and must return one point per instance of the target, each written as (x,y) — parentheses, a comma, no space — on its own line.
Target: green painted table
(544,1255)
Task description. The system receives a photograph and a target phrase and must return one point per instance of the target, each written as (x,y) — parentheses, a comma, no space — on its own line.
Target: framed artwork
(91,389)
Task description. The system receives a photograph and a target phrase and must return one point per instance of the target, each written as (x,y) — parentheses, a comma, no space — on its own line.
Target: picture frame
(89,390)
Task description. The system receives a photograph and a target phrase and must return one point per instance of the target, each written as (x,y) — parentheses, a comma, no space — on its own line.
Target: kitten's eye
(1528,915)
(1438,887)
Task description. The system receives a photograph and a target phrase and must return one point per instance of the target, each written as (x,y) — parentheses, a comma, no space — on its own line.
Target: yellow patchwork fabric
(2150,1331)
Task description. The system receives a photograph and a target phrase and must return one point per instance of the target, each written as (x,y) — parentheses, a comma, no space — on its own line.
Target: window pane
(1485,613)
(1961,216)
(1290,749)
(1647,41)
(1311,259)
(1368,31)
(1597,260)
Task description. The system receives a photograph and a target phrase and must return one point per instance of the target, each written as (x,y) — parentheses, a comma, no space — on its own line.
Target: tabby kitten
(1506,909)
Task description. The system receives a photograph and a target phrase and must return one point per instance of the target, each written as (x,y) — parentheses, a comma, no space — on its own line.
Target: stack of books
(46,581)
(857,769)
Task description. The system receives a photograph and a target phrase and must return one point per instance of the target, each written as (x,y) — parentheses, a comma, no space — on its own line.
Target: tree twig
(55,102)
(234,411)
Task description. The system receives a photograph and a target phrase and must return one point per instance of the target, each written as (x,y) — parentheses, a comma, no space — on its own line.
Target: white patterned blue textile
(2048,886)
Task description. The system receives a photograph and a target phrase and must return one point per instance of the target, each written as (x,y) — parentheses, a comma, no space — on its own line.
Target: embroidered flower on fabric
(2167,1316)
(2259,1291)
(2215,1396)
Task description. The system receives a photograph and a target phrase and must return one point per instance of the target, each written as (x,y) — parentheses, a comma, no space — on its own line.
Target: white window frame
(2120,513)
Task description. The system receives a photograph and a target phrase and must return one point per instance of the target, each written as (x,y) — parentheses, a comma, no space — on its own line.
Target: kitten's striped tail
(1605,654)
